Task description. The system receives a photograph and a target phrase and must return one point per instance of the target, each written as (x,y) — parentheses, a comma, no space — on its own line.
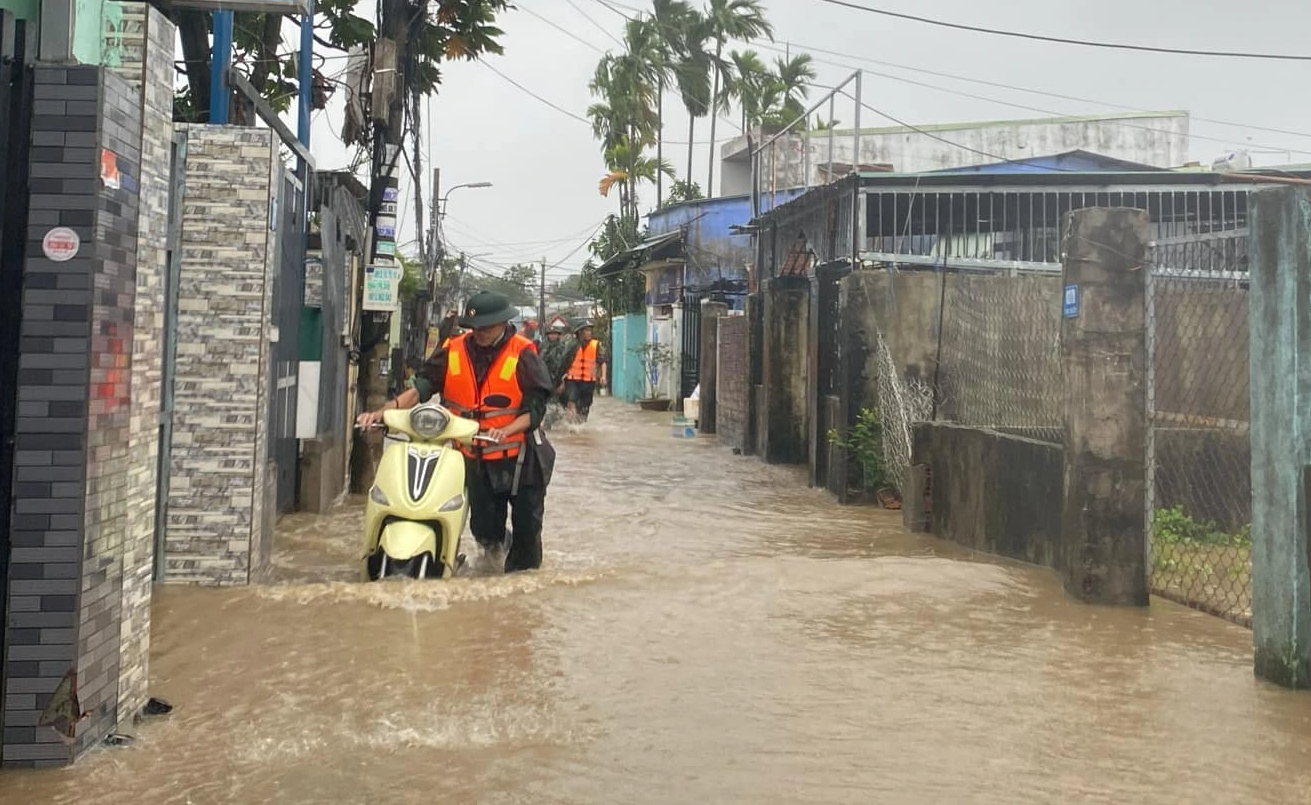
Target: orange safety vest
(446,344)
(584,368)
(461,394)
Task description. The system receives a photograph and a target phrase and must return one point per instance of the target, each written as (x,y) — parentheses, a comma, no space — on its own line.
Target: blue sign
(1070,307)
(386,231)
(390,195)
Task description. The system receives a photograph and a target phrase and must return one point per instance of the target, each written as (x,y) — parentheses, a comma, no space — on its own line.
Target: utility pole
(387,110)
(541,300)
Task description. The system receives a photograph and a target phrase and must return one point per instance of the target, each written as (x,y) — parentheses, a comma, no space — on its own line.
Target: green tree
(518,283)
(741,20)
(440,30)
(756,90)
(628,167)
(692,71)
(624,292)
(792,78)
(669,20)
(682,191)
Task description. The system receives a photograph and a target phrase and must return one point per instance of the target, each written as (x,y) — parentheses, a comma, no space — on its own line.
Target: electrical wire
(563,30)
(953,143)
(611,5)
(598,25)
(532,94)
(1016,88)
(988,99)
(1064,40)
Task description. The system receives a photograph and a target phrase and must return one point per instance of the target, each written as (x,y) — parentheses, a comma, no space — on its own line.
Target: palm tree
(794,77)
(670,19)
(742,20)
(756,90)
(628,166)
(692,75)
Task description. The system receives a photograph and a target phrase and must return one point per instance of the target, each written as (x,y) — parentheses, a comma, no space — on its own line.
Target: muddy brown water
(706,630)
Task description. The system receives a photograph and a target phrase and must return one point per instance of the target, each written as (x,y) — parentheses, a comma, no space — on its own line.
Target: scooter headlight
(376,495)
(453,504)
(428,421)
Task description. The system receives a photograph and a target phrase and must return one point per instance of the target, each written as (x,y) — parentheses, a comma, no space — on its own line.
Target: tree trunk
(193,29)
(714,119)
(691,138)
(660,142)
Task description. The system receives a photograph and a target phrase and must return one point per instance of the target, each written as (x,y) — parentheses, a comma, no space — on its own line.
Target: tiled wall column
(219,456)
(146,44)
(70,497)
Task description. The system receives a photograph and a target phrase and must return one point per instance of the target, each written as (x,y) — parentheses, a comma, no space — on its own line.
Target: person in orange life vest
(586,368)
(492,376)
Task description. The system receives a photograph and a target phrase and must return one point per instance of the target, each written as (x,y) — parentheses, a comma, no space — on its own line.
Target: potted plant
(656,359)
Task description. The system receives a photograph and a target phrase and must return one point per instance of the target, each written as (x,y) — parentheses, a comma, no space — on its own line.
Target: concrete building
(1156,139)
(694,250)
(151,294)
(85,238)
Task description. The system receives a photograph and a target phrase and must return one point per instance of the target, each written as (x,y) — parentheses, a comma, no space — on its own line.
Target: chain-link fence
(1199,487)
(1000,354)
(902,402)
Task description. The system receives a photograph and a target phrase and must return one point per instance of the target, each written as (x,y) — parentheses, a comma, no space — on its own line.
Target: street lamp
(447,194)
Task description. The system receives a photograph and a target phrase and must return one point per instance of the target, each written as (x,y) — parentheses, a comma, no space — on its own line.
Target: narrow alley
(705,629)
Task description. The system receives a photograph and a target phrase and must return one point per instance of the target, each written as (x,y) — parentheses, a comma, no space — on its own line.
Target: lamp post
(435,254)
(448,193)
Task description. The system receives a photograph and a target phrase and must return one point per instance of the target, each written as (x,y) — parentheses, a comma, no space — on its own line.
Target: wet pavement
(705,629)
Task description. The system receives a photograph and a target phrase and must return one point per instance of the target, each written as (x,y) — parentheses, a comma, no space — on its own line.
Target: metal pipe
(219,100)
(855,150)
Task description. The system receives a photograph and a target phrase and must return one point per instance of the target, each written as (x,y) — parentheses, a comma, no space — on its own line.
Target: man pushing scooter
(496,378)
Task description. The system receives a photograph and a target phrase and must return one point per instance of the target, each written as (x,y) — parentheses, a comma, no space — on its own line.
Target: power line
(1066,41)
(1119,123)
(952,143)
(1012,87)
(529,92)
(563,30)
(610,4)
(598,25)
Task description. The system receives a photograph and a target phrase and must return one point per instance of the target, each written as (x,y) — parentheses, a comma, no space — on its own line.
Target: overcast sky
(545,165)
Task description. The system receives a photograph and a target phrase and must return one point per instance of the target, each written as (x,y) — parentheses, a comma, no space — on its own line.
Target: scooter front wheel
(424,566)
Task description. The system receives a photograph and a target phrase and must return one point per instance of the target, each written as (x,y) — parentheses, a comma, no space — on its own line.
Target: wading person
(494,377)
(586,371)
(556,355)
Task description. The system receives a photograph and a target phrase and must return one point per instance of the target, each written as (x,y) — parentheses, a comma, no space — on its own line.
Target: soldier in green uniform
(557,354)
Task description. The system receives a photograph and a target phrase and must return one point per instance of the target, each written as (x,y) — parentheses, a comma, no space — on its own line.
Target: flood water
(705,630)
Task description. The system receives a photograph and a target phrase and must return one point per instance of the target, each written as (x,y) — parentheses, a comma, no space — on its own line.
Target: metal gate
(691,336)
(15,119)
(168,364)
(284,355)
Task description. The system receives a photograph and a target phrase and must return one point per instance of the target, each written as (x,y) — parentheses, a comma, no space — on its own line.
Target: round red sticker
(60,244)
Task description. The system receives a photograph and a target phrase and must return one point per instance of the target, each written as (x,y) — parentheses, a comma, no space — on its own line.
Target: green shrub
(864,443)
(1175,526)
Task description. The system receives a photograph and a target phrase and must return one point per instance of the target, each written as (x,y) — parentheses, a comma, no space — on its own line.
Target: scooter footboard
(402,539)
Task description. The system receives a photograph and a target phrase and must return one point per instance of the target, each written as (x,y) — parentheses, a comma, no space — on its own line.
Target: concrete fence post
(784,418)
(711,313)
(1279,324)
(1103,353)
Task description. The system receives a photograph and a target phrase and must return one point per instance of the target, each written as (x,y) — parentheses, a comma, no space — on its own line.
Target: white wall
(1160,140)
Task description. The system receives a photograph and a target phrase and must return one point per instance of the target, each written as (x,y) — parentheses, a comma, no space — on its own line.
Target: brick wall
(219,458)
(732,382)
(71,501)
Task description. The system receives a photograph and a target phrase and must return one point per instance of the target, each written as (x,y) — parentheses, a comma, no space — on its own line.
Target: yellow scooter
(417,507)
